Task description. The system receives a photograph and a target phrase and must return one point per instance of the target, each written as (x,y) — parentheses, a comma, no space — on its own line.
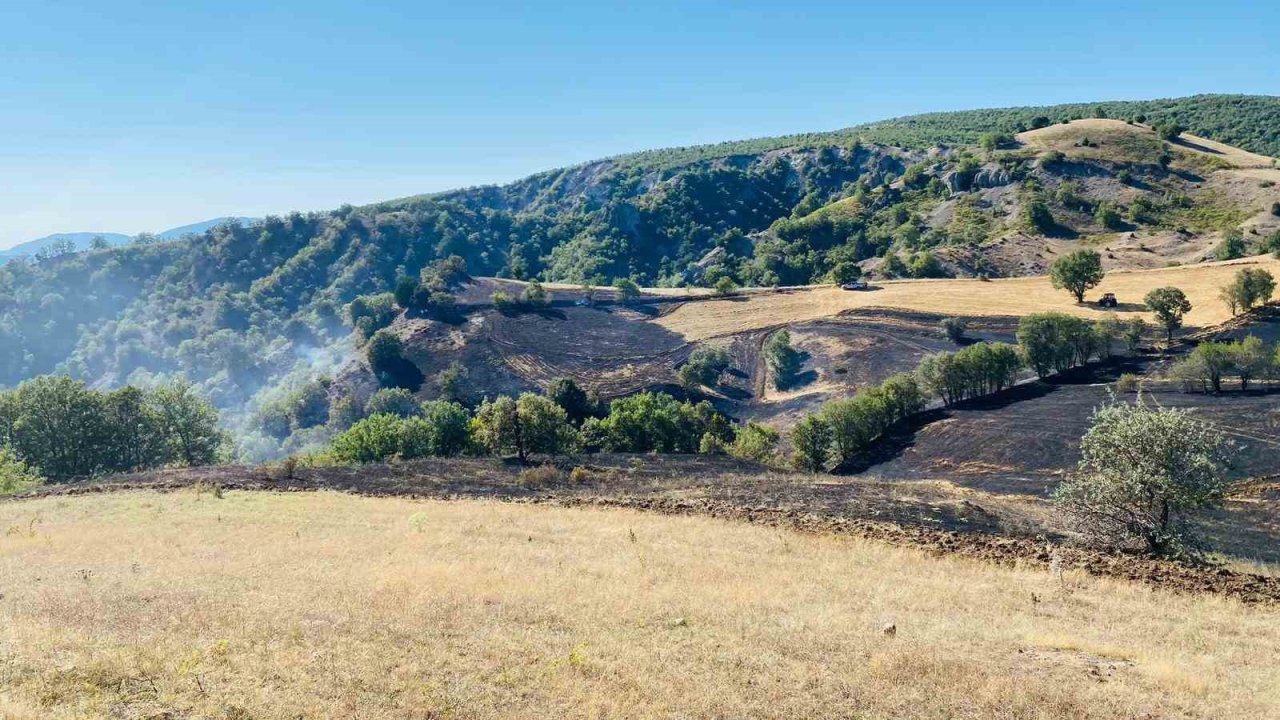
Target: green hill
(242,309)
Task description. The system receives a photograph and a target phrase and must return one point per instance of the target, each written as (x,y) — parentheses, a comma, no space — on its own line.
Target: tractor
(1108,300)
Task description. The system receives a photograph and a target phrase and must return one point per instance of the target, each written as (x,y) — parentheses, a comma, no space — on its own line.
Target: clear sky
(129,116)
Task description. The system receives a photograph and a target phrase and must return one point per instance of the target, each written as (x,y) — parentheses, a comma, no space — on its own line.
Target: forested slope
(243,309)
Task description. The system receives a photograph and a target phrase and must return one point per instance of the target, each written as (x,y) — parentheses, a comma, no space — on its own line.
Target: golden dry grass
(324,606)
(1112,133)
(1006,296)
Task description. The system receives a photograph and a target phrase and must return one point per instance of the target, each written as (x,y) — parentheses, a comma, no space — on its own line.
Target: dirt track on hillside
(926,516)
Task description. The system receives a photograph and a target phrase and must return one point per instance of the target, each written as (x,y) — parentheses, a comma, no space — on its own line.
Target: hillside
(253,313)
(191,604)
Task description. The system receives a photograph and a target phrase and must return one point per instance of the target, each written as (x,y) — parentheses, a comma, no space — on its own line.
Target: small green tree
(1142,472)
(1251,359)
(373,439)
(783,360)
(393,401)
(531,424)
(755,442)
(626,289)
(725,286)
(191,424)
(1169,305)
(1077,272)
(578,404)
(704,367)
(811,444)
(1232,245)
(15,476)
(535,296)
(1249,288)
(1134,331)
(953,328)
(1108,217)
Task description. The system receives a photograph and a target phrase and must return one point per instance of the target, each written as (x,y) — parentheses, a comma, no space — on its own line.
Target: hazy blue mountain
(197,228)
(83,239)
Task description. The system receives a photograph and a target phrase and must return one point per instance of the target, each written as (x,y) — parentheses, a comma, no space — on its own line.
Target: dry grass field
(320,605)
(965,297)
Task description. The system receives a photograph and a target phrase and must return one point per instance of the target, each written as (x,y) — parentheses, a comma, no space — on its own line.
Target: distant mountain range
(82,240)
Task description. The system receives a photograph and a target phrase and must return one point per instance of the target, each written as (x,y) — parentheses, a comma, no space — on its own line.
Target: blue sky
(131,116)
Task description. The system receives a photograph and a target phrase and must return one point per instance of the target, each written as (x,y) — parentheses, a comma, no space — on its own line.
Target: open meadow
(261,605)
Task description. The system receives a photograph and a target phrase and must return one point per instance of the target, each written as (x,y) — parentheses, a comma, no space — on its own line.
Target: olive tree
(1142,473)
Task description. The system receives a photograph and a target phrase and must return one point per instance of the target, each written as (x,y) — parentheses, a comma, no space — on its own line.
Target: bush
(441,430)
(393,401)
(1108,217)
(811,444)
(627,290)
(755,442)
(953,329)
(540,477)
(704,367)
(1142,472)
(656,421)
(385,353)
(1232,245)
(1128,383)
(15,476)
(374,439)
(725,286)
(784,361)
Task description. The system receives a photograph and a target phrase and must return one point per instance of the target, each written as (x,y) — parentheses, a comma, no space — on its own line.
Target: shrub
(15,476)
(1232,245)
(1133,333)
(393,401)
(783,360)
(704,367)
(1037,218)
(726,286)
(627,290)
(1142,472)
(658,422)
(540,477)
(1128,383)
(373,439)
(441,430)
(385,353)
(953,329)
(755,442)
(1108,217)
(577,403)
(535,296)
(811,444)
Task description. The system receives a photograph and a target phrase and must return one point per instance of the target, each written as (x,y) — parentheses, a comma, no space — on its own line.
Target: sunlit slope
(965,297)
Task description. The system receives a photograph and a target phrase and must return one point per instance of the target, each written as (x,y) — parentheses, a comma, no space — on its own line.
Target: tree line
(57,428)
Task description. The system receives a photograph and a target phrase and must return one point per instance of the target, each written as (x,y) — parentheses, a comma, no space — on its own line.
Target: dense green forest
(251,312)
